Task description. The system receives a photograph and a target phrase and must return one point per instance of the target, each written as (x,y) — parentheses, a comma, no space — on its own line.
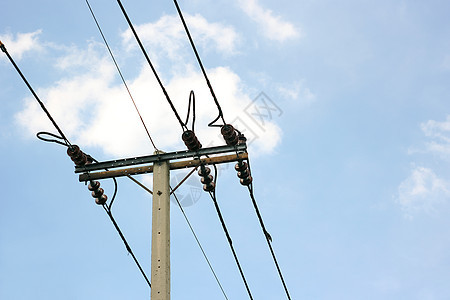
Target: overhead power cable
(81,159)
(212,193)
(120,73)
(199,244)
(266,234)
(130,24)
(108,211)
(62,137)
(66,141)
(220,116)
(127,246)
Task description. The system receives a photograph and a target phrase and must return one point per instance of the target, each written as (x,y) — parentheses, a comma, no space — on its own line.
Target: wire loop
(58,139)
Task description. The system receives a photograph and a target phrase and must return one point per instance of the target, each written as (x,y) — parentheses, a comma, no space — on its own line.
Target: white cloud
(93,108)
(439,133)
(273,26)
(298,92)
(21,43)
(167,35)
(422,191)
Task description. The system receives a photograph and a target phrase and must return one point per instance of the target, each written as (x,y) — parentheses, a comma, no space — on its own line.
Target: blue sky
(351,167)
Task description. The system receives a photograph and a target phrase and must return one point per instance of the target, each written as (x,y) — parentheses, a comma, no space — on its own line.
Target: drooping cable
(224,227)
(199,244)
(66,141)
(120,73)
(266,234)
(130,24)
(220,116)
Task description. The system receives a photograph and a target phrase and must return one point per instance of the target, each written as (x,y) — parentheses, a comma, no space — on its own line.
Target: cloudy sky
(345,105)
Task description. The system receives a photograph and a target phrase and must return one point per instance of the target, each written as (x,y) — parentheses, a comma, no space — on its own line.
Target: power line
(220,116)
(108,209)
(266,234)
(199,244)
(81,159)
(63,137)
(224,227)
(120,73)
(116,226)
(130,24)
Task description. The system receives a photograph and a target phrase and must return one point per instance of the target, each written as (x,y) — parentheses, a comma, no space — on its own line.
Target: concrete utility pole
(160,164)
(160,262)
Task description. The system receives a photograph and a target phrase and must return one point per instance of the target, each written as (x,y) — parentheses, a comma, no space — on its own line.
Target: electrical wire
(266,234)
(220,116)
(57,139)
(199,244)
(130,24)
(63,137)
(105,206)
(191,100)
(120,73)
(69,145)
(109,213)
(224,227)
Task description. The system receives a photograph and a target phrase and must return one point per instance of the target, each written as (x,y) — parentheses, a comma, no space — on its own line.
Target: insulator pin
(191,141)
(206,179)
(243,173)
(229,134)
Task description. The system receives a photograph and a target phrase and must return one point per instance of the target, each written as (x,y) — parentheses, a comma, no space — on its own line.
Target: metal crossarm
(159,157)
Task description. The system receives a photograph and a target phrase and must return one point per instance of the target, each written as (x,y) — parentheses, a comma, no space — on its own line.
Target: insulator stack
(80,159)
(78,156)
(97,192)
(191,141)
(243,173)
(206,179)
(229,134)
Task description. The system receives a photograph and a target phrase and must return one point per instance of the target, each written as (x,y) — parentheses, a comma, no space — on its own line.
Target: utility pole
(160,257)
(160,165)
